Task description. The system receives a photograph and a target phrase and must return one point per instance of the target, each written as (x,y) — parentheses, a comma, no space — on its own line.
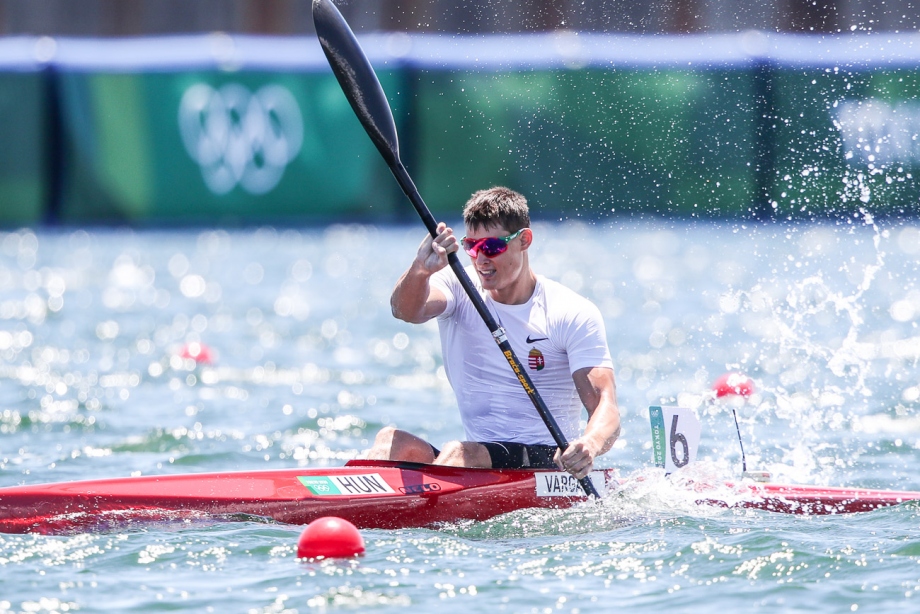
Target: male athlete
(559,335)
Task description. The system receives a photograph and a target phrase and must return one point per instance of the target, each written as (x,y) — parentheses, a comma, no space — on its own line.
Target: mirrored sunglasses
(489,246)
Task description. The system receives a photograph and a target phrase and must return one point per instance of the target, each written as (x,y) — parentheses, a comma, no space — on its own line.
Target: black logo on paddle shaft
(529,340)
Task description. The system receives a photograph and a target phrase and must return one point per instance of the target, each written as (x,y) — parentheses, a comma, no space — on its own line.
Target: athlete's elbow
(405,315)
(397,312)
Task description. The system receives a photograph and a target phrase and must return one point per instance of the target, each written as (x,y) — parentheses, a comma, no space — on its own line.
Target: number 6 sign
(675,437)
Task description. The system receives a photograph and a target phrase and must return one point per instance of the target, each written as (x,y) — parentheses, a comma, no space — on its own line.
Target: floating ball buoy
(198,352)
(733,384)
(330,537)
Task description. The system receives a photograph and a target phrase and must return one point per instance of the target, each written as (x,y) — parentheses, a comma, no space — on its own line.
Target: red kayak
(370,494)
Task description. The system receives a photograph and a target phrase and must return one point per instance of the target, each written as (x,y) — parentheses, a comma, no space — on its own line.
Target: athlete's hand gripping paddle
(363,90)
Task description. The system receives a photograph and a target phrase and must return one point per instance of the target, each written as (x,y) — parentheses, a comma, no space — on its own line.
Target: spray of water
(818,359)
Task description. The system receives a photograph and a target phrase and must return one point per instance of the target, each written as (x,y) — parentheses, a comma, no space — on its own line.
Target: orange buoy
(733,384)
(330,537)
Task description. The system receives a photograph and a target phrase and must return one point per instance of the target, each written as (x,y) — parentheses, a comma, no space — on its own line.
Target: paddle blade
(357,78)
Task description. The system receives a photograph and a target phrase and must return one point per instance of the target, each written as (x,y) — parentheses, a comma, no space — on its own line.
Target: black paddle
(363,90)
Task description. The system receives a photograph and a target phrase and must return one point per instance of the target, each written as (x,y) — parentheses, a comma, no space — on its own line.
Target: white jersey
(554,334)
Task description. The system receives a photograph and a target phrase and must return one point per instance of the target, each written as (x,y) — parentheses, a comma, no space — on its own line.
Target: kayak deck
(380,495)
(370,494)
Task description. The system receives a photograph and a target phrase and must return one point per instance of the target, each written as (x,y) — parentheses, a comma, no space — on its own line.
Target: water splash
(821,353)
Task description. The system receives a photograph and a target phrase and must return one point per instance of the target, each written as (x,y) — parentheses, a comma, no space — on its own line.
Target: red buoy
(198,352)
(733,384)
(330,537)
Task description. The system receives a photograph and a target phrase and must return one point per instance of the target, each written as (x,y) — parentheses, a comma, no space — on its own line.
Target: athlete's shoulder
(559,294)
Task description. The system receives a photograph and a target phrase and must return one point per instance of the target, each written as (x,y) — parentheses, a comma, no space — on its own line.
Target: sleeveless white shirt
(553,334)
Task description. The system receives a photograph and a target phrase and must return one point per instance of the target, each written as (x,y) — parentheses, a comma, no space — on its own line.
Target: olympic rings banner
(216,147)
(241,138)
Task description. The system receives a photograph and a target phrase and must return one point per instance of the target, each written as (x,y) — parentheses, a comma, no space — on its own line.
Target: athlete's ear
(526,238)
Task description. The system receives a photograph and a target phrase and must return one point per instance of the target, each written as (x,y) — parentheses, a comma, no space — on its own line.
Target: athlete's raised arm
(413,299)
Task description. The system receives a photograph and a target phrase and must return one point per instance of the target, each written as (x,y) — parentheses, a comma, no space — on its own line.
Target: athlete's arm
(598,391)
(413,299)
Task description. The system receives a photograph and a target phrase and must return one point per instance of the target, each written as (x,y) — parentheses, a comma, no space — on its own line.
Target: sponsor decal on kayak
(346,485)
(561,484)
(417,489)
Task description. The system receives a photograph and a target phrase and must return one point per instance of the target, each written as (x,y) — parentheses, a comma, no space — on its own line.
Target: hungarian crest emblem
(535,359)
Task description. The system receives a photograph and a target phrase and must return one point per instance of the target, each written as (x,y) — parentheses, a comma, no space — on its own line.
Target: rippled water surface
(308,364)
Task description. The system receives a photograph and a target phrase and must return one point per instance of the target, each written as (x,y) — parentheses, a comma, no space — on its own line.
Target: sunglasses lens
(492,247)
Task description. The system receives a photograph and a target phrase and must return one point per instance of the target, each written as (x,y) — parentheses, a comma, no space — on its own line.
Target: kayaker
(561,333)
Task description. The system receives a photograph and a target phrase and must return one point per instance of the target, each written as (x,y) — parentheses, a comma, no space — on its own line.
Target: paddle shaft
(362,88)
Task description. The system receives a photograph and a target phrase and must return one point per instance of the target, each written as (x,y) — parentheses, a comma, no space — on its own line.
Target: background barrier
(225,130)
(200,137)
(846,138)
(591,142)
(25,121)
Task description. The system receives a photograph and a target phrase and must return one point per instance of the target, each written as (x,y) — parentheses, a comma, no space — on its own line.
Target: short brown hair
(497,206)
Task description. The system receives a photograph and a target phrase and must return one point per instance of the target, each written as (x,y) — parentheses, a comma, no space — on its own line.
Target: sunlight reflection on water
(307,363)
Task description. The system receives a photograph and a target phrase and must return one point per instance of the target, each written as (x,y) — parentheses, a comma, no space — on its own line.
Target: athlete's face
(503,271)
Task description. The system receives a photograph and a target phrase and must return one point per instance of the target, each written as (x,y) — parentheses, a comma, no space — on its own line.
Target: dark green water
(309,364)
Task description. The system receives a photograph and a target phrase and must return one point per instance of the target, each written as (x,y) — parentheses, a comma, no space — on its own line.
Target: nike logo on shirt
(529,340)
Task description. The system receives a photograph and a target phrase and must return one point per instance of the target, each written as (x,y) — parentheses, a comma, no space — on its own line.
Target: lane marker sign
(675,437)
